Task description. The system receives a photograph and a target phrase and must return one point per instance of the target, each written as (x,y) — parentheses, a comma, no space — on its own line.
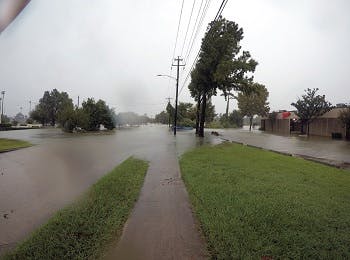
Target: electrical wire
(178,29)
(188,26)
(218,14)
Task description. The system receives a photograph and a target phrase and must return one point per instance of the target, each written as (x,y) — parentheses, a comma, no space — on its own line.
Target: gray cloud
(113,50)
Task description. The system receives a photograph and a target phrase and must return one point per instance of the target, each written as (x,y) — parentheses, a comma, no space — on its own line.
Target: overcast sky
(112,50)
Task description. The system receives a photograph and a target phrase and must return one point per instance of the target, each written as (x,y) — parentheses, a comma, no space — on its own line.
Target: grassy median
(255,204)
(84,229)
(12,144)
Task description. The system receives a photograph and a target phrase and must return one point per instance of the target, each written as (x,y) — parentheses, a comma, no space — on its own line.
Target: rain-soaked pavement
(37,181)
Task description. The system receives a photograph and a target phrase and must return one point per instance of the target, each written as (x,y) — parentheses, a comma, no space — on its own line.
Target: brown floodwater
(37,181)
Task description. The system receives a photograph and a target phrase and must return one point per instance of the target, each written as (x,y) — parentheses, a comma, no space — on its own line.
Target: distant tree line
(57,108)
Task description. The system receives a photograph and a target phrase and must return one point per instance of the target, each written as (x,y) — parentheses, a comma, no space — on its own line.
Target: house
(287,122)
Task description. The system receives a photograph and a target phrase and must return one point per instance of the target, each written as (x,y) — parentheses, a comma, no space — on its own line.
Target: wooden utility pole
(177,89)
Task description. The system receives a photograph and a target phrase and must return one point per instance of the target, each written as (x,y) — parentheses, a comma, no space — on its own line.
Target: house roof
(334,113)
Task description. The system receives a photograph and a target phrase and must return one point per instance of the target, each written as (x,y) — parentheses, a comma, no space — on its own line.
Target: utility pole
(177,89)
(30,106)
(168,98)
(78,101)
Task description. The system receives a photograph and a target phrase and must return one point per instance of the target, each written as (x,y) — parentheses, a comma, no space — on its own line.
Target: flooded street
(313,146)
(35,182)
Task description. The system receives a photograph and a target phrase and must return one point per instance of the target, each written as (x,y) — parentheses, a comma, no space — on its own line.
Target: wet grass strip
(12,144)
(84,229)
(255,204)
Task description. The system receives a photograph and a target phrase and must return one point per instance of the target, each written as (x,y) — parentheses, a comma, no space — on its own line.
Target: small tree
(253,103)
(311,106)
(344,117)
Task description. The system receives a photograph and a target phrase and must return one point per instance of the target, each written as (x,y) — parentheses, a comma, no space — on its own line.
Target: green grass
(11,144)
(253,203)
(84,229)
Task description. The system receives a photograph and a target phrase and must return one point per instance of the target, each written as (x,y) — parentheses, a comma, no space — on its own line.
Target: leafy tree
(344,117)
(311,106)
(162,117)
(50,106)
(184,110)
(219,66)
(254,103)
(236,118)
(98,113)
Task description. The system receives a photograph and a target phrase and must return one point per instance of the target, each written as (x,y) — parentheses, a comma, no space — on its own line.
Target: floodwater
(37,181)
(313,146)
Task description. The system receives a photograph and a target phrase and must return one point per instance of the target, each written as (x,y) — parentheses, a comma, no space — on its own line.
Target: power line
(194,27)
(188,26)
(178,29)
(204,12)
(221,8)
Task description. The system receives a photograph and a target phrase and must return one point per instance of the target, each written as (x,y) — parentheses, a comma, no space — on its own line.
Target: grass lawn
(253,204)
(9,144)
(84,229)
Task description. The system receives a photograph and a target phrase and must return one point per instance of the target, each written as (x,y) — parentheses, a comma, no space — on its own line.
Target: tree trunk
(198,115)
(308,129)
(250,123)
(227,106)
(202,118)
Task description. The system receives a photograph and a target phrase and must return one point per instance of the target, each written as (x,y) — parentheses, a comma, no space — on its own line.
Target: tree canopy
(220,65)
(51,106)
(56,107)
(311,106)
(254,103)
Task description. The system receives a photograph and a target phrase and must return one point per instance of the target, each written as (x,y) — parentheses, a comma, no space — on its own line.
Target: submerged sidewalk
(161,225)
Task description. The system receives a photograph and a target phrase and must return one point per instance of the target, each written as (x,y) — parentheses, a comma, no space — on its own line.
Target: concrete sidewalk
(161,225)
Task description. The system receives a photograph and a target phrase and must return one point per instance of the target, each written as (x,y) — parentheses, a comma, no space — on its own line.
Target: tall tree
(311,106)
(219,66)
(50,106)
(254,103)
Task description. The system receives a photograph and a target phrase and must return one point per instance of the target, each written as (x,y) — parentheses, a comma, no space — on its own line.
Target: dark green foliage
(50,106)
(219,65)
(254,204)
(98,113)
(235,119)
(311,106)
(84,229)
